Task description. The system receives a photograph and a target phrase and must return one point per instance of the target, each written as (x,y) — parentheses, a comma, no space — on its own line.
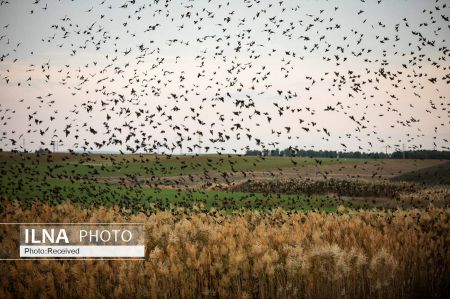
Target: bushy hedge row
(338,187)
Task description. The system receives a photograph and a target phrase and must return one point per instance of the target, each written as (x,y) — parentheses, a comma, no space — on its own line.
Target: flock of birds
(139,97)
(214,77)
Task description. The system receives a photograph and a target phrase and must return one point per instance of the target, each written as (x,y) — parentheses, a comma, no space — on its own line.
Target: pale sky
(172,69)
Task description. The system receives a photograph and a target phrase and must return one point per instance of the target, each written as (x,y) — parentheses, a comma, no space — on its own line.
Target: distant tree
(293,152)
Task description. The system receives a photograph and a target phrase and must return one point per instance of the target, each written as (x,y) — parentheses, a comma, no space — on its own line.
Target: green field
(150,165)
(433,175)
(148,182)
(150,199)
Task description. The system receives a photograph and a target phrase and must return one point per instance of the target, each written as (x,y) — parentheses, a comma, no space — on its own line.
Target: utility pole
(387,146)
(403,151)
(199,143)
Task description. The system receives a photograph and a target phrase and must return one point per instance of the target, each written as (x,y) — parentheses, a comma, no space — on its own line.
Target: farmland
(146,183)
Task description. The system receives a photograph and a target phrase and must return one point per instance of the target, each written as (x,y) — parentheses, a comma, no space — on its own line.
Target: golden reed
(349,254)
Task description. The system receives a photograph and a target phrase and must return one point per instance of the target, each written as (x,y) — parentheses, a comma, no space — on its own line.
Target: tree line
(292,152)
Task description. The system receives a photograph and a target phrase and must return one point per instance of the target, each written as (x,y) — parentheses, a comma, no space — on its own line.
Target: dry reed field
(278,254)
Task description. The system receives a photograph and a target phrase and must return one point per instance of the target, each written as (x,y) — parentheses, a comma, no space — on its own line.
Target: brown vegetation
(349,254)
(338,187)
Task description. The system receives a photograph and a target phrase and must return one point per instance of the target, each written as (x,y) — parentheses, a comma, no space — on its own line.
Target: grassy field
(433,175)
(62,166)
(145,183)
(151,165)
(148,200)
